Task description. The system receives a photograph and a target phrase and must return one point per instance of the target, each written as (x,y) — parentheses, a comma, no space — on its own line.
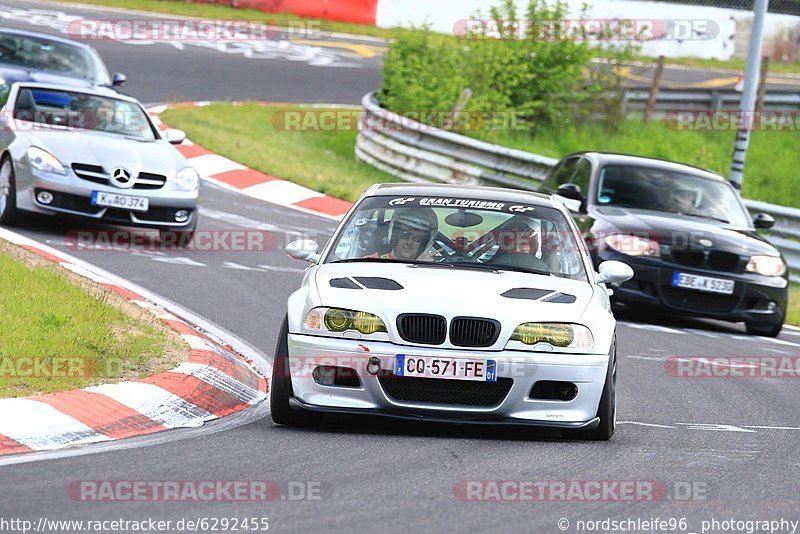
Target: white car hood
(454,292)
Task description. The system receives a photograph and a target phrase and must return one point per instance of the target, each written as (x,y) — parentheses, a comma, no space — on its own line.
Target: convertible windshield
(460,233)
(649,188)
(33,53)
(83,111)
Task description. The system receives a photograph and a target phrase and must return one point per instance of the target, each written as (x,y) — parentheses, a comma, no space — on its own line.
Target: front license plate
(451,368)
(703,283)
(124,202)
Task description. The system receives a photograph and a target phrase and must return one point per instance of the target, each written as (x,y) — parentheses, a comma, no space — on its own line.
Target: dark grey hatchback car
(692,244)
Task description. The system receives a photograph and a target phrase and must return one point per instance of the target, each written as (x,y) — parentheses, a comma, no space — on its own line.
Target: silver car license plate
(124,202)
(703,283)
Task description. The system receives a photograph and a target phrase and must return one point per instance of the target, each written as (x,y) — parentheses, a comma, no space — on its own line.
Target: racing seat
(25,108)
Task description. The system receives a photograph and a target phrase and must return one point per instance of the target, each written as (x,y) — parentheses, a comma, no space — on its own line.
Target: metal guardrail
(417,152)
(635,100)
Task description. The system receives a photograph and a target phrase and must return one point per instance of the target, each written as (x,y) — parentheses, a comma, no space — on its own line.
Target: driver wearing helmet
(411,234)
(683,199)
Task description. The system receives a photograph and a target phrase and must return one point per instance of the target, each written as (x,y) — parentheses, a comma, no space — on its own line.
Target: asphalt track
(734,439)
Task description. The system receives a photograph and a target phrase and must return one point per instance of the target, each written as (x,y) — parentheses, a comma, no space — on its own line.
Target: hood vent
(368,282)
(540,295)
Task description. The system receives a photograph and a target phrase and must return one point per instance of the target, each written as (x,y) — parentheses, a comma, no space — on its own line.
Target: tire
(179,238)
(607,410)
(8,192)
(766,330)
(280,387)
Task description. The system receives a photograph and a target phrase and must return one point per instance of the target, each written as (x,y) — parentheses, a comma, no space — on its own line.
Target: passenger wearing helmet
(411,234)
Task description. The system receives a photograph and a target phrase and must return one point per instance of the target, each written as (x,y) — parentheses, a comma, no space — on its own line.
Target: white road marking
(714,427)
(779,341)
(179,261)
(654,328)
(236,266)
(649,358)
(639,423)
(252,224)
(282,269)
(776,350)
(773,427)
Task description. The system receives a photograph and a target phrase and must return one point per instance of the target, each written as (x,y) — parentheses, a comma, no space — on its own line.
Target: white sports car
(451,303)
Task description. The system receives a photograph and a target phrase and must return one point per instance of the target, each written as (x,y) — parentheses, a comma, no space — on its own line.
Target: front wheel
(607,410)
(8,192)
(280,387)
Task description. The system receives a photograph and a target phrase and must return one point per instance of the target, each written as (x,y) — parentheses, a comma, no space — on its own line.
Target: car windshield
(35,53)
(461,233)
(649,188)
(83,111)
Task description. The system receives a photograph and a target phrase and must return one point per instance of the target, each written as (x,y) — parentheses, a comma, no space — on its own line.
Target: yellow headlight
(561,335)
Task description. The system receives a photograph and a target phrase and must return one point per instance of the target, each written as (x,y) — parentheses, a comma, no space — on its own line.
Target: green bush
(511,65)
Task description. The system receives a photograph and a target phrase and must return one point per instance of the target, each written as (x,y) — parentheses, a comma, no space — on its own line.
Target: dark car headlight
(766,265)
(634,245)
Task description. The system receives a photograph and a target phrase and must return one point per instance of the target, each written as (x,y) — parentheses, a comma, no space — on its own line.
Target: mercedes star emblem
(121,177)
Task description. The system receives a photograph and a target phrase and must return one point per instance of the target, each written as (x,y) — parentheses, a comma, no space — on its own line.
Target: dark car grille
(436,391)
(472,332)
(88,172)
(699,301)
(717,260)
(423,329)
(98,175)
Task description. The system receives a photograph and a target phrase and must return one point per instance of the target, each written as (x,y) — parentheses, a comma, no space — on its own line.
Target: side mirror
(764,221)
(573,192)
(613,272)
(303,250)
(174,136)
(118,79)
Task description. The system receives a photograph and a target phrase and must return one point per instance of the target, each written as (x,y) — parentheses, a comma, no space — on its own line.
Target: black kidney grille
(719,260)
(690,258)
(422,328)
(438,391)
(473,332)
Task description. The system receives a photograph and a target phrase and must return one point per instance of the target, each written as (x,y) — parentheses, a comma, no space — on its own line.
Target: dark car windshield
(36,53)
(459,233)
(649,188)
(83,111)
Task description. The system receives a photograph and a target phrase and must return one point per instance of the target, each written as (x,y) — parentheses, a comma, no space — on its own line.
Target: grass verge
(62,332)
(321,160)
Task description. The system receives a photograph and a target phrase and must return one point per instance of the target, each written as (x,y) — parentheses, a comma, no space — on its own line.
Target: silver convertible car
(451,303)
(94,154)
